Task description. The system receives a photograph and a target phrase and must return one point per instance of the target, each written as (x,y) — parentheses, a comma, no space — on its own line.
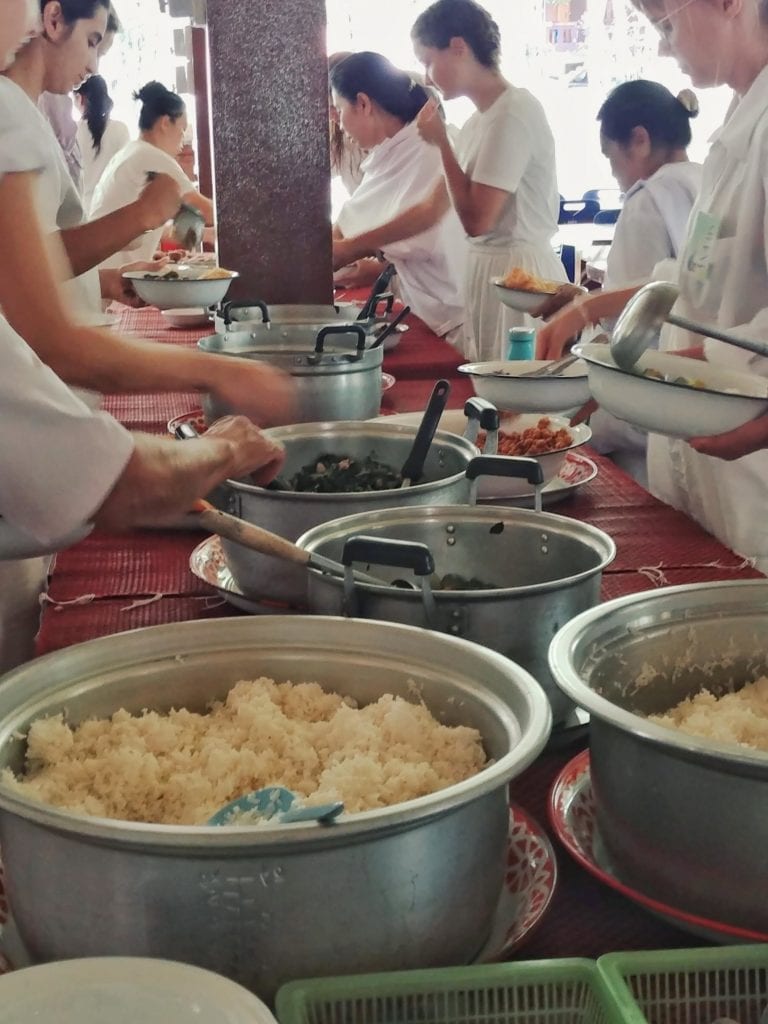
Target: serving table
(109,583)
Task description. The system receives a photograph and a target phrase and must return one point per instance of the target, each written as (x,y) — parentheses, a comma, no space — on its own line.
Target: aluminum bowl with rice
(681,814)
(397,887)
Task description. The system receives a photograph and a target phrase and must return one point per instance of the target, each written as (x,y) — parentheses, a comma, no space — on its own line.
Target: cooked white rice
(181,767)
(740,717)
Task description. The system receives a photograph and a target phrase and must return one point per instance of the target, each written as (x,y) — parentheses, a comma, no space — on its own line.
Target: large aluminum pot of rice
(680,803)
(405,885)
(291,513)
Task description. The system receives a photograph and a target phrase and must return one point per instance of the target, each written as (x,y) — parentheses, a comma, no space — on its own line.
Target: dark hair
(113,22)
(76,10)
(156,102)
(392,89)
(337,132)
(98,107)
(649,105)
(448,19)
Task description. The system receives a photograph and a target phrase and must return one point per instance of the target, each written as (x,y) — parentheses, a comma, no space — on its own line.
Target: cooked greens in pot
(341,474)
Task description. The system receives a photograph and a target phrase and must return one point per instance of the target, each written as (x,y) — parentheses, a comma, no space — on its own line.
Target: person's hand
(752,437)
(565,294)
(254,453)
(430,124)
(158,202)
(116,288)
(552,338)
(265,395)
(345,252)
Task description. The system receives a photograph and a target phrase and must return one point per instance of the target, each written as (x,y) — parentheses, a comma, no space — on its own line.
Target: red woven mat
(138,564)
(64,626)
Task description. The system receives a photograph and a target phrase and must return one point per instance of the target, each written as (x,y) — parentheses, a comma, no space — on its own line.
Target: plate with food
(181,285)
(674,395)
(523,291)
(574,819)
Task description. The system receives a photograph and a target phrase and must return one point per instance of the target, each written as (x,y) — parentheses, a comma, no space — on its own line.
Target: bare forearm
(413,221)
(458,186)
(163,478)
(89,244)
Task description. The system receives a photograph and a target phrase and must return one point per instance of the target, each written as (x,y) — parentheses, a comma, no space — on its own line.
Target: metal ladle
(646,313)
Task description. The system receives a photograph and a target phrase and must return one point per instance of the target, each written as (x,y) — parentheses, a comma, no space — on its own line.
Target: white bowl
(194,316)
(123,990)
(501,382)
(727,400)
(178,292)
(522,301)
(499,487)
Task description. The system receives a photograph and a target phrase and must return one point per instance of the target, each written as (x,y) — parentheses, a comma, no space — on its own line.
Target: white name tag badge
(699,259)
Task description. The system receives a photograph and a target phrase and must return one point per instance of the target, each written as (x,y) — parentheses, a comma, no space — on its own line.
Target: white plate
(209,563)
(529,885)
(193,316)
(501,382)
(522,301)
(503,488)
(576,471)
(125,990)
(727,400)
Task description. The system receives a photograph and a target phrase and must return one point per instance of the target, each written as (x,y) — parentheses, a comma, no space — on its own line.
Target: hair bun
(150,91)
(689,101)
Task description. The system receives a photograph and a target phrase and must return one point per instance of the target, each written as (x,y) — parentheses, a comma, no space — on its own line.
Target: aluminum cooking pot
(681,818)
(533,572)
(291,513)
(411,885)
(337,376)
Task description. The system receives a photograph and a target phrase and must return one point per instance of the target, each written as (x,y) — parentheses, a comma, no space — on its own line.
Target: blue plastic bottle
(522,343)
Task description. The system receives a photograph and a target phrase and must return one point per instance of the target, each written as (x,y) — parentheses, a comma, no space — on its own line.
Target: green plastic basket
(538,992)
(689,986)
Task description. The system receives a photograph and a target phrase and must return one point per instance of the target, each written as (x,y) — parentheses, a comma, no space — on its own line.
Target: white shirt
(652,224)
(58,458)
(510,146)
(398,173)
(122,182)
(729,498)
(116,135)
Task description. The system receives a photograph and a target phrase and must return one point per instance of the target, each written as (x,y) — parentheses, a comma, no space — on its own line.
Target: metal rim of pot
(524,746)
(357,428)
(574,640)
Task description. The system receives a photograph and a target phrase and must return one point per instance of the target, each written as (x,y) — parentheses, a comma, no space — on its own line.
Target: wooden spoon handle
(250,535)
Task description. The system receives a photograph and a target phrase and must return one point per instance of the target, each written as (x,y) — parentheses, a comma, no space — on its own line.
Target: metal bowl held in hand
(411,885)
(332,382)
(519,575)
(682,818)
(291,513)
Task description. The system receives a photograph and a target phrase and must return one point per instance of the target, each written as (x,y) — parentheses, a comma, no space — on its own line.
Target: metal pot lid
(487,522)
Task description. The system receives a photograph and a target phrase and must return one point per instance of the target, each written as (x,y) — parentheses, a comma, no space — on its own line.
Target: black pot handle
(388,299)
(227,307)
(397,554)
(482,415)
(324,332)
(519,466)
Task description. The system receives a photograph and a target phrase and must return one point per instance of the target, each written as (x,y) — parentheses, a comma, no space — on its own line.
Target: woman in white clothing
(377,107)
(99,136)
(644,133)
(162,124)
(723,271)
(500,181)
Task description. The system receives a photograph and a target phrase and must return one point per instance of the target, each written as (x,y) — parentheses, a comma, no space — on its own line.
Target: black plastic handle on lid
(413,467)
(227,307)
(379,285)
(483,411)
(520,467)
(398,554)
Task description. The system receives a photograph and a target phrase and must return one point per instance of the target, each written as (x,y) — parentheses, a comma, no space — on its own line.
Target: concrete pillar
(269,107)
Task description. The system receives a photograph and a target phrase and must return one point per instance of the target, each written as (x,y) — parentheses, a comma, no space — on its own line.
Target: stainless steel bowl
(412,885)
(682,818)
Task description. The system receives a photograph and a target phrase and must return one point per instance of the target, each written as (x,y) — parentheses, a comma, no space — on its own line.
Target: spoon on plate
(273,803)
(646,313)
(413,467)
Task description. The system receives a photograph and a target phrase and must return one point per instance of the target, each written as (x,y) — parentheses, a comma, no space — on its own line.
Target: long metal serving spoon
(646,313)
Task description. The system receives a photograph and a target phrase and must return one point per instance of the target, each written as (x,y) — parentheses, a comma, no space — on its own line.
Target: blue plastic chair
(578,211)
(606,217)
(607,198)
